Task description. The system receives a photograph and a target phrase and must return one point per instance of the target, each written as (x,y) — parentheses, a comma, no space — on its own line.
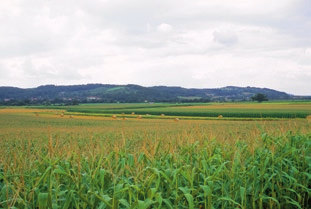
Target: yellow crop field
(49,161)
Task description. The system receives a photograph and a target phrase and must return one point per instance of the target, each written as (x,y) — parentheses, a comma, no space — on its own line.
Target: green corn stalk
(43,200)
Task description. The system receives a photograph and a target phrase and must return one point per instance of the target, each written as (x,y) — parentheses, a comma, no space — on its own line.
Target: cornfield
(52,162)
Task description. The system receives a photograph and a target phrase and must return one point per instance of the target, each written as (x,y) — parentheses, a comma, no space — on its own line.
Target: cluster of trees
(28,102)
(260,97)
(113,99)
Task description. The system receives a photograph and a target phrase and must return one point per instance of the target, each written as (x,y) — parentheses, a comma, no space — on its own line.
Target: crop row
(269,172)
(199,112)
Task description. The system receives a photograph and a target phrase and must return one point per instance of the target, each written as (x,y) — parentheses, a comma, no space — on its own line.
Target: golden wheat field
(51,159)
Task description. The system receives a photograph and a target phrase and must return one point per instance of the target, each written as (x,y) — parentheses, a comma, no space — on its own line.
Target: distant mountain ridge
(134,93)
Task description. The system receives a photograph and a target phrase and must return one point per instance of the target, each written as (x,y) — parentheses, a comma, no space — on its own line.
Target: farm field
(82,157)
(227,110)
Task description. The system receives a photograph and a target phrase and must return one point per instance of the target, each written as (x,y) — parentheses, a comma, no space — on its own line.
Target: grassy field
(227,110)
(55,159)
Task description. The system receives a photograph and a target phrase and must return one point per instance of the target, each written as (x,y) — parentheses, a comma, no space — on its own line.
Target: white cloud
(176,42)
(164,28)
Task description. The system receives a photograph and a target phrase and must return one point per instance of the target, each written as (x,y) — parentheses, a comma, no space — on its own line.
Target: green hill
(130,93)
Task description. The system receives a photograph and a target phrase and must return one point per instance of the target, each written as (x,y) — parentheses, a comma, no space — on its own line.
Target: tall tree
(260,97)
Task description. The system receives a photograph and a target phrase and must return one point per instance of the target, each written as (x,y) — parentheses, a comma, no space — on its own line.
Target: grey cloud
(225,37)
(132,17)
(45,70)
(3,72)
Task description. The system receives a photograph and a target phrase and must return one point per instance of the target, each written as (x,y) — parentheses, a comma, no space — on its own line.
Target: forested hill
(131,93)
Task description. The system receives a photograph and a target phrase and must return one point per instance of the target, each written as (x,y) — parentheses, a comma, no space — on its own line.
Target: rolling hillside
(132,93)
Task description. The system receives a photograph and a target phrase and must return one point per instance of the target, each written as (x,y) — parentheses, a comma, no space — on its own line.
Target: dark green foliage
(260,97)
(273,175)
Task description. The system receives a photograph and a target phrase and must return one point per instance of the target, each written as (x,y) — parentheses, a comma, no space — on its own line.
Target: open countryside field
(251,110)
(81,157)
(227,110)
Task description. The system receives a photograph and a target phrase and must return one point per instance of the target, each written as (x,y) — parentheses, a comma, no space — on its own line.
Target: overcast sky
(192,44)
